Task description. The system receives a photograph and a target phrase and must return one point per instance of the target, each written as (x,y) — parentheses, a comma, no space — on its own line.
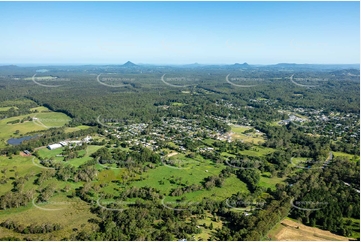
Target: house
(54,146)
(26,152)
(63,143)
(87,139)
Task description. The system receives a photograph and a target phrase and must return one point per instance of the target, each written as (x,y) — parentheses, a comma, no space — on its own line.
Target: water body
(17,141)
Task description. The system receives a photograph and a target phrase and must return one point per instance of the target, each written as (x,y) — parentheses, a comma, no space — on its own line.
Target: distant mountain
(241,65)
(238,66)
(286,64)
(193,65)
(129,64)
(9,67)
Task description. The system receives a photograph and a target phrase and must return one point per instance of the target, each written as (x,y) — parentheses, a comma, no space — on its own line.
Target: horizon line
(169,64)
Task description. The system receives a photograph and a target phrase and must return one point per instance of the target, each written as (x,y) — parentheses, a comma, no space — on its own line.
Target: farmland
(31,122)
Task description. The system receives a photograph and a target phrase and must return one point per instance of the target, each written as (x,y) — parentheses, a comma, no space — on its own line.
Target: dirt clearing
(291,230)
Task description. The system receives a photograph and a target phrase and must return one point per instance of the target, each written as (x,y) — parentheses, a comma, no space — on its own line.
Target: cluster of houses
(69,143)
(206,149)
(173,130)
(333,124)
(292,118)
(339,124)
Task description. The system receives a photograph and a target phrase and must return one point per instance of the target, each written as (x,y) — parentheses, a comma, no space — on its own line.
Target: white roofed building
(54,146)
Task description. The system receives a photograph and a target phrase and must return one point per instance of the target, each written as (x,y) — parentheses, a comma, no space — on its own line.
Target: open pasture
(238,132)
(37,122)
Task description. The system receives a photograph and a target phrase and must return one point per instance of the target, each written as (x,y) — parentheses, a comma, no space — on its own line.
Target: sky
(179,32)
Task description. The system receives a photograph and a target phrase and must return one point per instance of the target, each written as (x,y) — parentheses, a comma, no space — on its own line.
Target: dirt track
(172,154)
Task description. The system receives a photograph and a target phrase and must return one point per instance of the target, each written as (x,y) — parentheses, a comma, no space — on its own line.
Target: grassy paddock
(45,121)
(2,109)
(45,153)
(74,213)
(40,109)
(253,137)
(77,128)
(348,156)
(257,151)
(267,181)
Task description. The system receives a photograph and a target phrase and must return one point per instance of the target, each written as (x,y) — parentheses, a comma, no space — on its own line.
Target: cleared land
(287,230)
(40,109)
(238,133)
(193,172)
(267,181)
(348,156)
(46,154)
(44,121)
(206,231)
(74,213)
(6,108)
(77,128)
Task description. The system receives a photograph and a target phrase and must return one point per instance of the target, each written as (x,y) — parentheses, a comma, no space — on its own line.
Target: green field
(192,173)
(20,165)
(231,186)
(45,121)
(46,154)
(77,128)
(257,151)
(73,213)
(51,119)
(348,156)
(207,232)
(8,130)
(40,109)
(270,182)
(239,129)
(355,227)
(252,137)
(6,108)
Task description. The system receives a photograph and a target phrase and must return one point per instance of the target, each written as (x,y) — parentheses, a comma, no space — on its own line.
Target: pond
(17,141)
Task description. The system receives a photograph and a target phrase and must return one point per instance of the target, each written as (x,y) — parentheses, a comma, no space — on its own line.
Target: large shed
(54,146)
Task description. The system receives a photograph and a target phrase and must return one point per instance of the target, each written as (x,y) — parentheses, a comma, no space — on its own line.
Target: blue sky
(179,32)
